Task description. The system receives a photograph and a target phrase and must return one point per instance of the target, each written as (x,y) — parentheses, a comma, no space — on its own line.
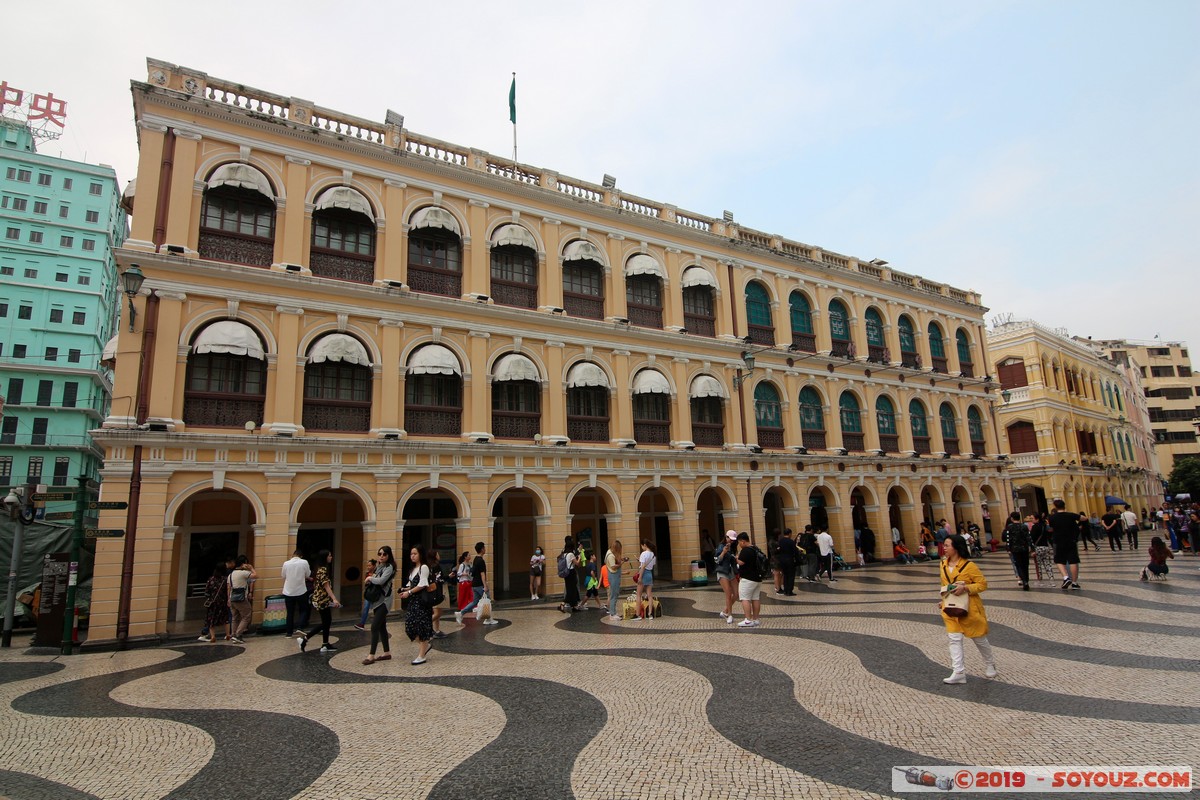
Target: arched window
(583,280)
(885,420)
(699,308)
(343,236)
(1129,447)
(839,330)
(587,403)
(949,429)
(1011,372)
(516,398)
(708,418)
(1120,445)
(876,345)
(909,356)
(433,393)
(937,348)
(768,415)
(337,385)
(804,338)
(758,314)
(514,267)
(852,427)
(920,427)
(812,419)
(226,383)
(237,220)
(975,431)
(435,253)
(651,408)
(964,353)
(643,291)
(1022,438)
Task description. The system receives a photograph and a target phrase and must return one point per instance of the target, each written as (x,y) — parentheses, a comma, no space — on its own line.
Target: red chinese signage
(39,106)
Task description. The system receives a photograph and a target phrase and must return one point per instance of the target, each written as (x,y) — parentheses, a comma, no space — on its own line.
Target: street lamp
(131,283)
(20,510)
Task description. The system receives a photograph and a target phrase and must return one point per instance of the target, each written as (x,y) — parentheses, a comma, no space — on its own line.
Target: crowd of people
(1049,541)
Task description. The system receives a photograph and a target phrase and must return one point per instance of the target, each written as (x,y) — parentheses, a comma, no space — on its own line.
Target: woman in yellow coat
(960,576)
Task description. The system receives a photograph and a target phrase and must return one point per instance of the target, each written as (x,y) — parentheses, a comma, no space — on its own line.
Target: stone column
(294,218)
(184,219)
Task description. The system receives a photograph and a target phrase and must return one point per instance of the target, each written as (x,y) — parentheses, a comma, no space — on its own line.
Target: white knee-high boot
(989,658)
(957,662)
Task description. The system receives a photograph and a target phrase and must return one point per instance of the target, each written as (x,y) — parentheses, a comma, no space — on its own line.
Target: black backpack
(759,562)
(564,570)
(437,586)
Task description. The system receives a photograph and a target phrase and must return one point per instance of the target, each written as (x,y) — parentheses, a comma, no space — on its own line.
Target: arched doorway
(961,499)
(819,502)
(866,538)
(773,517)
(331,519)
(931,505)
(989,504)
(710,511)
(211,526)
(514,536)
(896,498)
(655,525)
(589,525)
(430,519)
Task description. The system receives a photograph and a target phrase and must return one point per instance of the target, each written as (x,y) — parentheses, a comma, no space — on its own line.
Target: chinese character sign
(35,109)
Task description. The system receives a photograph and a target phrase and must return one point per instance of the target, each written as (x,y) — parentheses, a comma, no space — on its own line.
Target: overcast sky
(1042,153)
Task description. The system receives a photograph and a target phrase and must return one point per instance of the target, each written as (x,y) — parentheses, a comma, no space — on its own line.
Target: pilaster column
(295,218)
(476,406)
(477,269)
(151,138)
(185,211)
(166,393)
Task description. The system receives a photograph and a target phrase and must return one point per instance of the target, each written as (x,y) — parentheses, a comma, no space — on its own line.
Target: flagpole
(513,110)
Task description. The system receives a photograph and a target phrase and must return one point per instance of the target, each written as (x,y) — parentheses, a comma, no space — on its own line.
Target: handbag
(954,605)
(372,592)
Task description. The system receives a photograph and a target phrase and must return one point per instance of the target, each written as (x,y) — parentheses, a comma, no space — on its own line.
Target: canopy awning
(515,367)
(706,386)
(434,359)
(513,234)
(229,336)
(434,217)
(650,381)
(241,176)
(1112,500)
(347,198)
(339,347)
(109,353)
(697,276)
(128,195)
(586,374)
(580,250)
(642,264)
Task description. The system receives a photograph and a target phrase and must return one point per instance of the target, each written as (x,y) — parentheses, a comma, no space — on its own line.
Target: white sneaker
(757,622)
(723,616)
(746,623)
(458,617)
(956,677)
(729,618)
(490,621)
(990,672)
(649,616)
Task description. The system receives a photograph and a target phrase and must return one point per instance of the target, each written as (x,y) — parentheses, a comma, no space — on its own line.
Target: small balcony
(700,326)
(804,342)
(854,442)
(706,434)
(435,281)
(652,432)
(813,440)
(770,438)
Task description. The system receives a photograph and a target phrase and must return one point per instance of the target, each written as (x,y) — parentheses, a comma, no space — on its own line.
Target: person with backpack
(811,551)
(437,590)
(752,568)
(567,560)
(786,554)
(479,587)
(1019,544)
(647,561)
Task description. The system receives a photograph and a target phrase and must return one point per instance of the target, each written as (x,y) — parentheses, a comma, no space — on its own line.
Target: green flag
(512,100)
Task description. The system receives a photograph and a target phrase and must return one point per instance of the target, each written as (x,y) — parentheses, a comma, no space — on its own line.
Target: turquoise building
(60,221)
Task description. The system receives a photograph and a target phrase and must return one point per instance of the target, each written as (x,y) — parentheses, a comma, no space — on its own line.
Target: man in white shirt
(296,573)
(1131,526)
(825,543)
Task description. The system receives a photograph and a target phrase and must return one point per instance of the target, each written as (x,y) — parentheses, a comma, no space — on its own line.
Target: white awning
(434,359)
(347,198)
(650,381)
(706,386)
(434,217)
(128,195)
(339,347)
(513,234)
(580,250)
(586,374)
(109,353)
(697,276)
(642,264)
(515,367)
(241,176)
(229,336)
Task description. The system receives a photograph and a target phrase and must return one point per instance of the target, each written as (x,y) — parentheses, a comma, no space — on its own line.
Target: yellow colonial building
(352,335)
(1075,422)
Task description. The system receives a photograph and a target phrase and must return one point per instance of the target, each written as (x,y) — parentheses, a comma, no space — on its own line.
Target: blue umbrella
(1110,500)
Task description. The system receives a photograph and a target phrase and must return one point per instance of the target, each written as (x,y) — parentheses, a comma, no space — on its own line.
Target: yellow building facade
(352,335)
(1074,423)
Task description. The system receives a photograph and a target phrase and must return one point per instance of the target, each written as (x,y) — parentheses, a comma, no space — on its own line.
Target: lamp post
(20,510)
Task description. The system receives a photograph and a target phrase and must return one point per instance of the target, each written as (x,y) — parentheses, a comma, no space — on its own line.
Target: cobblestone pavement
(839,684)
